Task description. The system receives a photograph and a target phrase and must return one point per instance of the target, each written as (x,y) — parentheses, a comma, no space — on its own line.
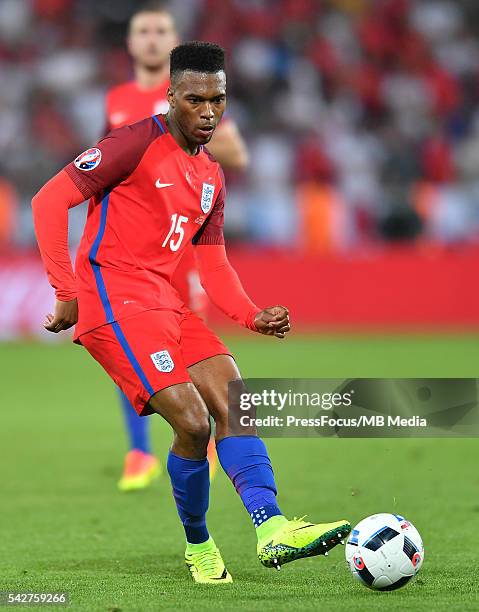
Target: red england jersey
(149,199)
(128,103)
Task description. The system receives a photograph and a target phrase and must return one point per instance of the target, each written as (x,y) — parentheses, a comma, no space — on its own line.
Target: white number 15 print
(177,230)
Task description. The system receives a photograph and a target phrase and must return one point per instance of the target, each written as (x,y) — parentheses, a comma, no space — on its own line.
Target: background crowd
(361,115)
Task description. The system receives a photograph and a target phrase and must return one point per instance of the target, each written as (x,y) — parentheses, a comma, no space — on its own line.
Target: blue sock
(245,460)
(138,427)
(190,480)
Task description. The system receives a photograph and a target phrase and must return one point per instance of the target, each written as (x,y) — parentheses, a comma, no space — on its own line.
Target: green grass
(64,526)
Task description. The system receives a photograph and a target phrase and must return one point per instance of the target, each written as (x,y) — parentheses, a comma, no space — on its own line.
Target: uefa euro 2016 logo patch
(162,361)
(207,197)
(88,160)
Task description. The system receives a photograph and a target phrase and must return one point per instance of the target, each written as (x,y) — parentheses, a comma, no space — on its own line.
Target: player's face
(197,102)
(151,38)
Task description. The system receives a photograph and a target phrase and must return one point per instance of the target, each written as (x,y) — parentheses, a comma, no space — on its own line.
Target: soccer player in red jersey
(154,188)
(152,35)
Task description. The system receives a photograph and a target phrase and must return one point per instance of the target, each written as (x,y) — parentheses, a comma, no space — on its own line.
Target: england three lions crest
(163,361)
(207,197)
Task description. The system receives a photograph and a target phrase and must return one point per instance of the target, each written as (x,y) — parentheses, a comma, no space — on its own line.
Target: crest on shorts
(88,160)
(207,197)
(162,361)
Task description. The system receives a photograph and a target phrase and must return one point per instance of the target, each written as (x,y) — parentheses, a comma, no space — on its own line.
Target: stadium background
(360,212)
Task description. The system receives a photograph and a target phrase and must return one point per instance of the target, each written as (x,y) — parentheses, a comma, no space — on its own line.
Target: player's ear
(170,96)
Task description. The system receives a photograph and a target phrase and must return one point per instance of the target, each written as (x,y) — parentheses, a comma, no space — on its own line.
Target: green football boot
(206,565)
(297,539)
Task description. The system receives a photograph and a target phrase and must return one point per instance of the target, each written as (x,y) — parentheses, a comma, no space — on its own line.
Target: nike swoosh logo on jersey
(159,184)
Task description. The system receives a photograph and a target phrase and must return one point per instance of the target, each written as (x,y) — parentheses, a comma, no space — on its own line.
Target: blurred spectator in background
(359,114)
(8,214)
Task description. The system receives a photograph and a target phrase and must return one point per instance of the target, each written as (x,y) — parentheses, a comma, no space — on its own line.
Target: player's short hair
(151,6)
(196,56)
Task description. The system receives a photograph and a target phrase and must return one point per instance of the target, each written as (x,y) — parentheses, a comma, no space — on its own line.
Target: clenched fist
(66,315)
(273,321)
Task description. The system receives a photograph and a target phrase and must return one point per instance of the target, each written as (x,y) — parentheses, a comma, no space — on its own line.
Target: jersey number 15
(177,230)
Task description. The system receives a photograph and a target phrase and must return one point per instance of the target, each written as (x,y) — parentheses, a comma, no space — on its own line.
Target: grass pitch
(64,526)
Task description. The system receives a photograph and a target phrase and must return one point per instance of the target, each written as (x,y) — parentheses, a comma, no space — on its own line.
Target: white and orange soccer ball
(384,551)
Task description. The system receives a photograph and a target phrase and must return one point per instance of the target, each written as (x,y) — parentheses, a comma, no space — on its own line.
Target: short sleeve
(113,158)
(211,232)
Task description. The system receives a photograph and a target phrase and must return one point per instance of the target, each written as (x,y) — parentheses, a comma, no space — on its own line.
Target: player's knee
(195,428)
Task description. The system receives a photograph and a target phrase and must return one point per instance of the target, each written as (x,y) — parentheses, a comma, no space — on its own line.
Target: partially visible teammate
(152,35)
(132,321)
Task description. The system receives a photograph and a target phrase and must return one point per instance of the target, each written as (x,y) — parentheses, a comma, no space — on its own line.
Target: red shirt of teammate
(129,103)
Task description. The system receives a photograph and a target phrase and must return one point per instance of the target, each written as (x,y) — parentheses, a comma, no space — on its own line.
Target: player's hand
(273,321)
(66,315)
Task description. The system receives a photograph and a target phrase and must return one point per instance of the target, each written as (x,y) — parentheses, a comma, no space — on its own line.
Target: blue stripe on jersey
(100,283)
(159,123)
(96,266)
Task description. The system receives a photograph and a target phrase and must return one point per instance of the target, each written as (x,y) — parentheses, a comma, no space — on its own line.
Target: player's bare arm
(228,147)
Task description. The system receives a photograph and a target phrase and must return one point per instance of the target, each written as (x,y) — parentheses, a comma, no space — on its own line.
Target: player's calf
(212,378)
(182,406)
